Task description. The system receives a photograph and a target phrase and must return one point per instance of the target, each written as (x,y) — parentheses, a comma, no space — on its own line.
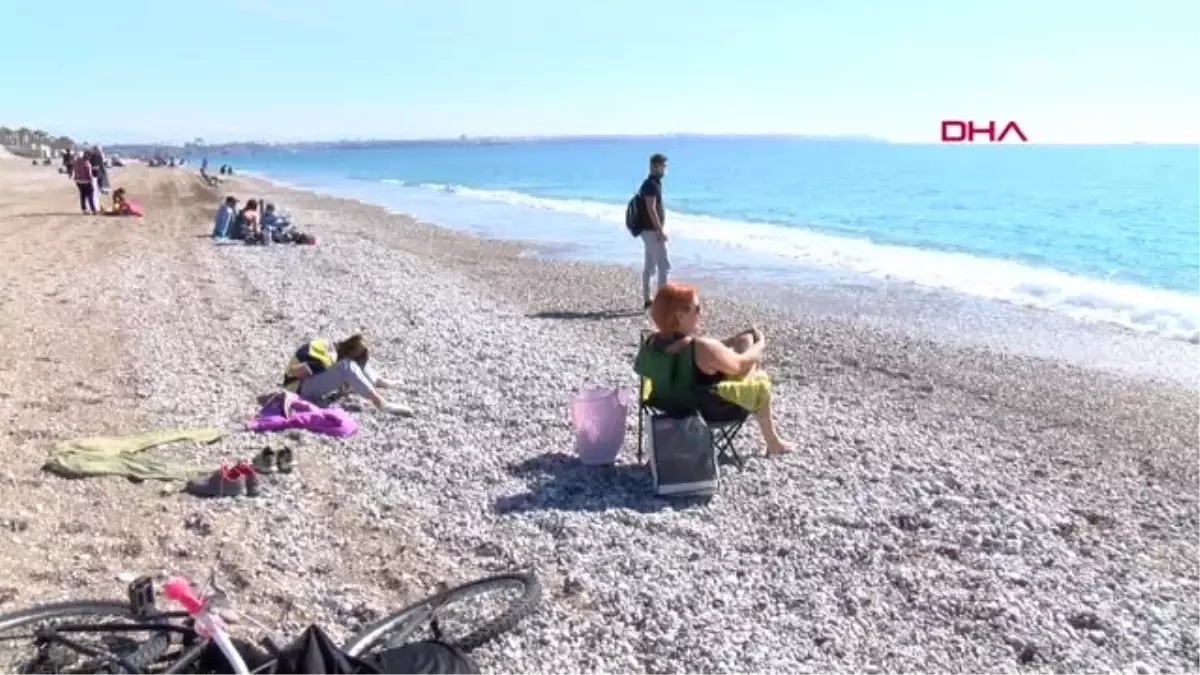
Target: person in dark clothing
(245,225)
(654,237)
(99,169)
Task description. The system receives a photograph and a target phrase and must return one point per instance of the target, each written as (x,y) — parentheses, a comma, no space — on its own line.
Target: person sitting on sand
(273,223)
(245,225)
(320,370)
(675,311)
(122,206)
(224,218)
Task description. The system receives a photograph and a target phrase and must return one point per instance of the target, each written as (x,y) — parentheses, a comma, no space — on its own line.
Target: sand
(945,509)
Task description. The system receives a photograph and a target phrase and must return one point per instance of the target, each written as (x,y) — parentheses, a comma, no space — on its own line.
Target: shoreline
(945,509)
(937,314)
(1152,297)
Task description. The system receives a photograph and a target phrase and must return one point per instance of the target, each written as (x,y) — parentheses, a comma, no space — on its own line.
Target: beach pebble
(910,529)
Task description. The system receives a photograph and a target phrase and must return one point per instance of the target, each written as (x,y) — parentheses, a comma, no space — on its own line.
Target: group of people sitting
(246,224)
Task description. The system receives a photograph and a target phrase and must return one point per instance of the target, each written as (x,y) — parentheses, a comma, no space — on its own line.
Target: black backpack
(314,652)
(633,216)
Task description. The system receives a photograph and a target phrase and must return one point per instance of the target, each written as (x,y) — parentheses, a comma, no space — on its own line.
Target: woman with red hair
(717,363)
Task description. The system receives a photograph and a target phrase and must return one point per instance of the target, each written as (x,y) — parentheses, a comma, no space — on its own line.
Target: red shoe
(249,476)
(224,482)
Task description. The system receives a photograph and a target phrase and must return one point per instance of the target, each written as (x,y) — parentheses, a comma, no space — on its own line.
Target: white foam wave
(1166,313)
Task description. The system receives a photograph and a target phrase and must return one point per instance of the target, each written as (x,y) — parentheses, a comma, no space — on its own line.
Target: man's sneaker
(249,477)
(224,482)
(264,461)
(285,460)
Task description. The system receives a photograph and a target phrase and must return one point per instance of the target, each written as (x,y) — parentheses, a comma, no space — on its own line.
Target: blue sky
(1065,70)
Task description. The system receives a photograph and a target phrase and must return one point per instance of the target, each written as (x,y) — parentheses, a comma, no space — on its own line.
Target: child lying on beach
(676,314)
(123,206)
(320,370)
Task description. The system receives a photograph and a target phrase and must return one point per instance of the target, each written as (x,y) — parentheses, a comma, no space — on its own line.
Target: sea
(1098,242)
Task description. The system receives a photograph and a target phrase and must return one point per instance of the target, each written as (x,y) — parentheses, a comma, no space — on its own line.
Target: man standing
(652,216)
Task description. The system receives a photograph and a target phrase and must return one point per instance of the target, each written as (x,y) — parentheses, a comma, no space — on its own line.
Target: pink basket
(598,419)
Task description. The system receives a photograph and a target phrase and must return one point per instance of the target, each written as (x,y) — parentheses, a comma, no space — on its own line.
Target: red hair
(669,302)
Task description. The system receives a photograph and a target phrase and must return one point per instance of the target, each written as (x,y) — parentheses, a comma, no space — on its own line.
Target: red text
(965,131)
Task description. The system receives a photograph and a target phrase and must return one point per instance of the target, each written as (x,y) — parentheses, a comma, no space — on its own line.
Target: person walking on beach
(82,171)
(99,169)
(652,216)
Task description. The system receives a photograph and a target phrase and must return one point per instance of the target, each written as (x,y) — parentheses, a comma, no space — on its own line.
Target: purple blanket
(288,411)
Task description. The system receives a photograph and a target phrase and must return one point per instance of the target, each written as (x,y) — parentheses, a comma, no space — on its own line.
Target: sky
(1066,71)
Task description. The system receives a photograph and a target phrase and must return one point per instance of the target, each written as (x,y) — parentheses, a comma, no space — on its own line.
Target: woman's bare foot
(778,448)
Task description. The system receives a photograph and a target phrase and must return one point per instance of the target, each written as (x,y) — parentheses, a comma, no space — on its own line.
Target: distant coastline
(243,147)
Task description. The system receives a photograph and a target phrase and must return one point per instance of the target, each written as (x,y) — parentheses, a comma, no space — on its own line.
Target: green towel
(124,455)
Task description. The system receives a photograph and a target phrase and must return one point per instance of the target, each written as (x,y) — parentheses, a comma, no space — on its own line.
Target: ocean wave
(1166,313)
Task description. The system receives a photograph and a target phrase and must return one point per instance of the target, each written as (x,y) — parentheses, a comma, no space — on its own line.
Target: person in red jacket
(84,181)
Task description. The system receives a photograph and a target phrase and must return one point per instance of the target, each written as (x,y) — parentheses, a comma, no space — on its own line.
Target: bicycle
(175,644)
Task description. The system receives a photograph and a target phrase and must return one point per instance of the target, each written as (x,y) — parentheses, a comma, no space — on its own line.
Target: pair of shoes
(236,481)
(270,460)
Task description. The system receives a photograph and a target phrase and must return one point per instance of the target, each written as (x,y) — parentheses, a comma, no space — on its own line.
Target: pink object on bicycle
(180,590)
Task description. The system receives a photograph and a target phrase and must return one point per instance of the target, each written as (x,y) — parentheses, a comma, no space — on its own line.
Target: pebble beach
(945,509)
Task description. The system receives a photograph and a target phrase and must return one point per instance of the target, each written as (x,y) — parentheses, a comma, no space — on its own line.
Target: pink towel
(289,411)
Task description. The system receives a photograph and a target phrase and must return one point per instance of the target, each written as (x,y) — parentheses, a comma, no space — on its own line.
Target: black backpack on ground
(314,652)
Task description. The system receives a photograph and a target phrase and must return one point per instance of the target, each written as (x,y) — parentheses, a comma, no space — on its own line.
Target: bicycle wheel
(136,643)
(465,632)
(20,654)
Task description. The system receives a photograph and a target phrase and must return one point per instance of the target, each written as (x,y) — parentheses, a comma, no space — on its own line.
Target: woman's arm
(713,356)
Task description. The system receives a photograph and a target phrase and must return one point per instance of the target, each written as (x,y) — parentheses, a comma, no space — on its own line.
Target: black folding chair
(724,419)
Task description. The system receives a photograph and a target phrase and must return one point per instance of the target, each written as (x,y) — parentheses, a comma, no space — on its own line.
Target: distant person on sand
(82,173)
(224,218)
(676,315)
(652,216)
(320,370)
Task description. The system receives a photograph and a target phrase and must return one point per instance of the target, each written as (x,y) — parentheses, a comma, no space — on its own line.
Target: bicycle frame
(53,635)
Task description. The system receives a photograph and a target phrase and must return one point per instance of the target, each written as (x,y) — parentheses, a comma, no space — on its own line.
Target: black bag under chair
(691,429)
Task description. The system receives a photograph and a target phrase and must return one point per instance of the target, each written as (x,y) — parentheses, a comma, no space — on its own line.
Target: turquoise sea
(1099,234)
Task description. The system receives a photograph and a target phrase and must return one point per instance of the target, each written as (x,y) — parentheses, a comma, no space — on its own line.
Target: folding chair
(667,388)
